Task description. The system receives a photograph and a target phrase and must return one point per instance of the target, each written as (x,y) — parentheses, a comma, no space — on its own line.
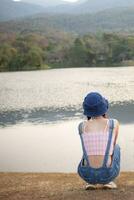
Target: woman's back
(95,137)
(98,136)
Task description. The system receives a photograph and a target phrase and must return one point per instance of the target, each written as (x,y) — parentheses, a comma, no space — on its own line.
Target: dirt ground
(57,186)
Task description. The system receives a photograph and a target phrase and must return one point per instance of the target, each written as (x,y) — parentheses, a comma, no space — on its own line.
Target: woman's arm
(116,130)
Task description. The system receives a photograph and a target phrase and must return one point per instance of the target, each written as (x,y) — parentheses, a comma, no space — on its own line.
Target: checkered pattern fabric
(96,142)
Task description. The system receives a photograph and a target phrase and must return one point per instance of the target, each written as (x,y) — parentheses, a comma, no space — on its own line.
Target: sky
(62,0)
(71,0)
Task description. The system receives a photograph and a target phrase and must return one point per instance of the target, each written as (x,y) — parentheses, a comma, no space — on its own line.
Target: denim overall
(103,174)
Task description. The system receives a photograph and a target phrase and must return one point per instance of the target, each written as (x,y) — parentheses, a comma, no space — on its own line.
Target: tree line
(35,51)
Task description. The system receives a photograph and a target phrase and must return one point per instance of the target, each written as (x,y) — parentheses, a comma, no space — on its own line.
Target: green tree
(78,54)
(7,54)
(34,58)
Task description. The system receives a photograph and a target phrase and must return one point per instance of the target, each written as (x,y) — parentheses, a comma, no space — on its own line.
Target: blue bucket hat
(95,105)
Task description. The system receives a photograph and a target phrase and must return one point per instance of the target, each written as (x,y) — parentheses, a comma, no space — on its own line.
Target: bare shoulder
(80,124)
(80,127)
(116,123)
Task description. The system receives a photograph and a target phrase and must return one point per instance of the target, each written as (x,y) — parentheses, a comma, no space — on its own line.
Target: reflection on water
(36,109)
(53,148)
(59,88)
(123,112)
(56,95)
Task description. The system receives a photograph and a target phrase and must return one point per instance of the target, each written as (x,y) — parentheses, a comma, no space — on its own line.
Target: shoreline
(57,186)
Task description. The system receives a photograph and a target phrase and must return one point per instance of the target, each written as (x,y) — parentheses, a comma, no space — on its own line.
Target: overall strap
(111,126)
(80,128)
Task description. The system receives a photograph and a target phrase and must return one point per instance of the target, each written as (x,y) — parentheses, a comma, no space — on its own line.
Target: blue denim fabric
(103,174)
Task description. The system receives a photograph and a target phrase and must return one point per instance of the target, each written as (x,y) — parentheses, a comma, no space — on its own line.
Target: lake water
(40,112)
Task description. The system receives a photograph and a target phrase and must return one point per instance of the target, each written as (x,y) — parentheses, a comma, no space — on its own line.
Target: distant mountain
(90,6)
(110,20)
(12,9)
(46,3)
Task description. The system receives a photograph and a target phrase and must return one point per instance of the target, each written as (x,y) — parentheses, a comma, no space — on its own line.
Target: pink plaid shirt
(96,142)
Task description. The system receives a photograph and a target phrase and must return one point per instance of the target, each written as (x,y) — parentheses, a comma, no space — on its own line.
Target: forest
(35,51)
(32,39)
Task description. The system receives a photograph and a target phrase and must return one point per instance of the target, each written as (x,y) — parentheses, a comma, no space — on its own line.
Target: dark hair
(91,117)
